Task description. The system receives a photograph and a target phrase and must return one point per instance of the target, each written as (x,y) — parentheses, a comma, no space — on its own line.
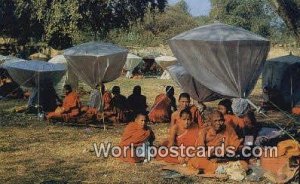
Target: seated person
(224,107)
(10,89)
(136,134)
(70,107)
(98,107)
(184,102)
(216,134)
(136,101)
(43,99)
(244,121)
(94,104)
(118,104)
(184,132)
(163,107)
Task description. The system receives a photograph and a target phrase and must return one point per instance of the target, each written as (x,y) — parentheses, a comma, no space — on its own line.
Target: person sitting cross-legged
(70,107)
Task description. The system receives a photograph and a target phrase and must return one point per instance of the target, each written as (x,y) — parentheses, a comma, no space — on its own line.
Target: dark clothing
(119,107)
(11,90)
(45,97)
(119,102)
(173,104)
(137,103)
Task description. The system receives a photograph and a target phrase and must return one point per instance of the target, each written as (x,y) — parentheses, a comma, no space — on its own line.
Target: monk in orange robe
(70,107)
(135,134)
(245,125)
(212,136)
(184,102)
(184,133)
(163,107)
(224,107)
(92,110)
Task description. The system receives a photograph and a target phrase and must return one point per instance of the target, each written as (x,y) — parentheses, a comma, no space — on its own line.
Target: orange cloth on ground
(161,110)
(188,138)
(209,137)
(71,107)
(196,116)
(286,149)
(136,135)
(296,110)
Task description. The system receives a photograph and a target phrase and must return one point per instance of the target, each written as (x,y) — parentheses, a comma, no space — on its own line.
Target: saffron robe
(70,108)
(209,137)
(134,135)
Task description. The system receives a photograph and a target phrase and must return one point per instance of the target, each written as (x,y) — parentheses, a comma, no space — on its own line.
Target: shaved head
(216,119)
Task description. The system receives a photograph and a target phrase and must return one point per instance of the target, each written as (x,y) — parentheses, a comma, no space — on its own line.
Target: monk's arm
(172,136)
(173,117)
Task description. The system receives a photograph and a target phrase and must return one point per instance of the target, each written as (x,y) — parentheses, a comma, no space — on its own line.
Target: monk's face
(184,102)
(67,91)
(185,119)
(222,109)
(217,121)
(141,120)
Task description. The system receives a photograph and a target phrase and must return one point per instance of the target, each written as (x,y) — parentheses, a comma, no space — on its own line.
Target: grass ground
(32,151)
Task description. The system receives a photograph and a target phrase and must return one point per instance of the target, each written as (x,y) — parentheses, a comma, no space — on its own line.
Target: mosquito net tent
(282,75)
(164,62)
(132,61)
(190,85)
(226,59)
(96,62)
(69,78)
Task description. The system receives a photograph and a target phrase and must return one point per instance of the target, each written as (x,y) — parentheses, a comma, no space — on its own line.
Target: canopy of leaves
(253,15)
(157,27)
(60,23)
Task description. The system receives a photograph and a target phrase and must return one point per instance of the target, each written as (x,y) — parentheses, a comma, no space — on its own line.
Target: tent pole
(291,82)
(38,106)
(102,107)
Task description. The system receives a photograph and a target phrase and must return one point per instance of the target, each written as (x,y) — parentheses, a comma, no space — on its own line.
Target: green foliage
(253,15)
(157,27)
(60,23)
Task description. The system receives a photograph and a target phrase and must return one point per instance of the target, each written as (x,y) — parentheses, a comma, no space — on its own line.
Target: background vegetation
(60,24)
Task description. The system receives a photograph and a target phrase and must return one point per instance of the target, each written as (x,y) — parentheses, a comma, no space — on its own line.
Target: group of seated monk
(188,127)
(113,106)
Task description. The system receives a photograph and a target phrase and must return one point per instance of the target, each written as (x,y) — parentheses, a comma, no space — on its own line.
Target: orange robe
(296,110)
(243,126)
(161,110)
(91,112)
(196,116)
(70,106)
(136,135)
(209,137)
(188,138)
(106,98)
(280,166)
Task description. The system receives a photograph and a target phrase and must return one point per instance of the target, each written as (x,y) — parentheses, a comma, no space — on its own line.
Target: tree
(253,15)
(101,16)
(289,11)
(157,27)
(60,23)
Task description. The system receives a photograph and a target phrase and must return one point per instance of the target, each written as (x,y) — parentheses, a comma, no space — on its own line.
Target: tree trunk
(289,11)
